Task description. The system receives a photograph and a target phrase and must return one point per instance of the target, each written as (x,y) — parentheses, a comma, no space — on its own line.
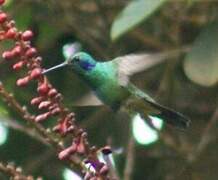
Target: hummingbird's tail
(170,116)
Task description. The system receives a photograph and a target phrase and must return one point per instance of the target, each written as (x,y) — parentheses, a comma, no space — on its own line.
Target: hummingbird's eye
(76,59)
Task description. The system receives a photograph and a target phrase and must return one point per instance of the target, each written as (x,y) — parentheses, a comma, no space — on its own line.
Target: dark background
(189,154)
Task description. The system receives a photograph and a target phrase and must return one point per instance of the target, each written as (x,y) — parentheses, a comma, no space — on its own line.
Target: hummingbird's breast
(112,94)
(103,80)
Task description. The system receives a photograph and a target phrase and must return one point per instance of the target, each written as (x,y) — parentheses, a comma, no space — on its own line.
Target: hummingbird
(111,84)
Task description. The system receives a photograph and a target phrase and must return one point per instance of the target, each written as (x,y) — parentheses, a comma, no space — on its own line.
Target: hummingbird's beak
(55,67)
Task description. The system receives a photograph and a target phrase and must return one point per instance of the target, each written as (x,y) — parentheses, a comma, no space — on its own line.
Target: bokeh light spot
(70,175)
(3,134)
(157,122)
(143,133)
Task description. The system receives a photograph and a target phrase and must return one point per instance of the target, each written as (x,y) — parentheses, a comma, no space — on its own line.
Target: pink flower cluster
(48,100)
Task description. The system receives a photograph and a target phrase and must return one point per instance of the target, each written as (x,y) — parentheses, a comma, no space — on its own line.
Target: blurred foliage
(137,26)
(201,63)
(134,13)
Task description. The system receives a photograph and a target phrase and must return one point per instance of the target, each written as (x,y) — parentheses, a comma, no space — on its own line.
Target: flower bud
(2,2)
(18,65)
(23,81)
(31,52)
(8,55)
(104,170)
(17,50)
(43,88)
(67,152)
(52,92)
(35,73)
(27,35)
(3,17)
(55,111)
(44,104)
(37,100)
(11,33)
(42,117)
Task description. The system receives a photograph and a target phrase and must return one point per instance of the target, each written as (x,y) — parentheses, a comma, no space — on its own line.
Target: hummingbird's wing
(134,63)
(129,65)
(89,99)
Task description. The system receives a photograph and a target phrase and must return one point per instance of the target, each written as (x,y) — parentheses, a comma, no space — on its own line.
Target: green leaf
(135,12)
(201,64)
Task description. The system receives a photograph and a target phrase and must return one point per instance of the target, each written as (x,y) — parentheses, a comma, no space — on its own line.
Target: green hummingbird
(110,83)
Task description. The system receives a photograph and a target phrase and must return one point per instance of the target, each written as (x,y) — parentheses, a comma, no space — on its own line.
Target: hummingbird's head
(81,61)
